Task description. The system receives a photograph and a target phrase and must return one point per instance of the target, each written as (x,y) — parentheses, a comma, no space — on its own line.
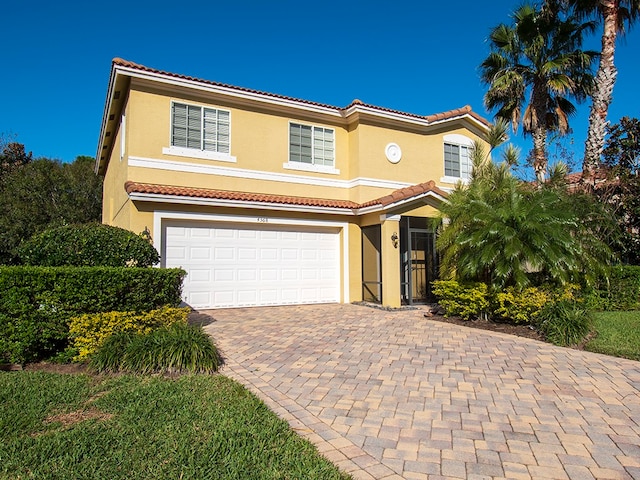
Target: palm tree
(501,231)
(614,14)
(539,55)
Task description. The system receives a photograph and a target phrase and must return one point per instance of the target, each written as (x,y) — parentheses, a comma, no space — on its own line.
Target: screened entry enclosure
(418,261)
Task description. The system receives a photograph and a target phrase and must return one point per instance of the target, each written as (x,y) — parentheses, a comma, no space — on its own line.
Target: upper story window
(311,145)
(457,161)
(457,158)
(200,132)
(200,128)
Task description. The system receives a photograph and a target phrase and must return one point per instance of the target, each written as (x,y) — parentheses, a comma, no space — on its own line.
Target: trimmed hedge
(620,291)
(88,245)
(37,303)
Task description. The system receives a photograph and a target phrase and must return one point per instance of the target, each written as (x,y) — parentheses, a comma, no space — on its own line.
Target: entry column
(390,251)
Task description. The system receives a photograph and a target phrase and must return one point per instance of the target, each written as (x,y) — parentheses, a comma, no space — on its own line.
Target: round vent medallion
(393,152)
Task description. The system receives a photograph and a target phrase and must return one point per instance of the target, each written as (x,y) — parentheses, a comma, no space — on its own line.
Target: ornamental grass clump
(177,348)
(565,323)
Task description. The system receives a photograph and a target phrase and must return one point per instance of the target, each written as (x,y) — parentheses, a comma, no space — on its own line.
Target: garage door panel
(248,234)
(224,253)
(233,265)
(200,253)
(199,275)
(177,253)
(223,233)
(247,253)
(247,275)
(268,254)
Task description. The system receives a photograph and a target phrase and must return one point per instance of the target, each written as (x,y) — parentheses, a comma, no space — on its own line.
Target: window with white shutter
(200,128)
(311,145)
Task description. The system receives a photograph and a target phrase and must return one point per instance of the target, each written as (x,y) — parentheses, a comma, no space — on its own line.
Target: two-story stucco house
(268,200)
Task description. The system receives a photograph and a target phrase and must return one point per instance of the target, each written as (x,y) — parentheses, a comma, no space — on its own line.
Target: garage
(235,265)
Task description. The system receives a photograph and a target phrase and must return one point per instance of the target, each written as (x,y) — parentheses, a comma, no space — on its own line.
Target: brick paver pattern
(394,395)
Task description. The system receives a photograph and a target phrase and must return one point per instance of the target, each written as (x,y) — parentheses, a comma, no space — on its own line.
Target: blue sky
(419,57)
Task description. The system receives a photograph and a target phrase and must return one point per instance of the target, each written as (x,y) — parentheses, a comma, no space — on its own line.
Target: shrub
(37,302)
(88,245)
(466,301)
(620,290)
(520,306)
(89,331)
(173,349)
(524,306)
(565,323)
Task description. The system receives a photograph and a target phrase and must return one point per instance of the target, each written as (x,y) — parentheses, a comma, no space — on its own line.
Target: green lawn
(55,426)
(618,334)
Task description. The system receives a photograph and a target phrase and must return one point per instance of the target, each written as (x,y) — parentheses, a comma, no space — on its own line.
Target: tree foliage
(87,245)
(535,69)
(616,16)
(13,156)
(504,232)
(622,151)
(622,190)
(42,193)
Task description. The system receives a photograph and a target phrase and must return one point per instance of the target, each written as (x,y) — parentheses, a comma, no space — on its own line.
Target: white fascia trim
(105,116)
(391,206)
(160,215)
(305,167)
(362,109)
(185,167)
(217,202)
(467,116)
(283,102)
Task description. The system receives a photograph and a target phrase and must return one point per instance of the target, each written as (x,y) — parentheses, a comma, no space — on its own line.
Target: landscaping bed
(509,328)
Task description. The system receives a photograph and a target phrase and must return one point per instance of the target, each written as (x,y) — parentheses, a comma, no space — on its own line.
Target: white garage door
(236,266)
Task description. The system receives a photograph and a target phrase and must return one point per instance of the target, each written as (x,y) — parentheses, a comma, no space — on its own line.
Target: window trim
(458,140)
(197,152)
(310,167)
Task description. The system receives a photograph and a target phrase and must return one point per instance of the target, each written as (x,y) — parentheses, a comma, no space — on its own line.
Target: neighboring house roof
(154,192)
(122,70)
(600,178)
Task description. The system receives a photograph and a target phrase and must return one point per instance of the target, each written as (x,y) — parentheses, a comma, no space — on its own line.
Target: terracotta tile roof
(576,177)
(600,179)
(438,117)
(396,196)
(406,193)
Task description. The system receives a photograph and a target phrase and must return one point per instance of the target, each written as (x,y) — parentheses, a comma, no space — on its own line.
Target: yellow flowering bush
(521,306)
(466,301)
(88,332)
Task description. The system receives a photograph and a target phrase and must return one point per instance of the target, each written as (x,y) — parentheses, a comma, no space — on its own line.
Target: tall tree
(622,193)
(615,15)
(539,56)
(12,156)
(46,193)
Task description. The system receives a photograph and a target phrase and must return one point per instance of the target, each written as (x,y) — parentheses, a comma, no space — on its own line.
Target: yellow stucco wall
(260,143)
(115,202)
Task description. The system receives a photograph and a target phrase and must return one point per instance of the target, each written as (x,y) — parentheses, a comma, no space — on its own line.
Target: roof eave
(216,202)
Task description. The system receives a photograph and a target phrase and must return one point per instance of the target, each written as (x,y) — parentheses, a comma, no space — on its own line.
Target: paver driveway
(390,395)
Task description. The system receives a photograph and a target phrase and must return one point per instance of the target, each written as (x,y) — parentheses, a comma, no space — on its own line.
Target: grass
(59,426)
(618,334)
